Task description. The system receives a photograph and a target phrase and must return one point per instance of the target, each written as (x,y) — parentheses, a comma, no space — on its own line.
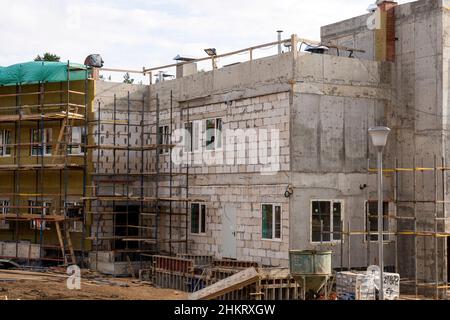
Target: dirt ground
(15,285)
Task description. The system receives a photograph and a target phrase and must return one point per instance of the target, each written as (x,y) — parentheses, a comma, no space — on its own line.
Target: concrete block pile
(361,286)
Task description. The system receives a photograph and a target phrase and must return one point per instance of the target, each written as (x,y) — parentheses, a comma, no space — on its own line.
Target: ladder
(63,138)
(64,237)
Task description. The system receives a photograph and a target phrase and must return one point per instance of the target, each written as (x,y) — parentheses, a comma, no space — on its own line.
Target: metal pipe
(349,245)
(279,41)
(380,221)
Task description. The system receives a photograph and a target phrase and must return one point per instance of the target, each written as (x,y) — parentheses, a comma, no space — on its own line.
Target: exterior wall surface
(28,180)
(418,116)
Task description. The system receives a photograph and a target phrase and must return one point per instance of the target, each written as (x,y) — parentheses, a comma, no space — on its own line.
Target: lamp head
(212,52)
(379,136)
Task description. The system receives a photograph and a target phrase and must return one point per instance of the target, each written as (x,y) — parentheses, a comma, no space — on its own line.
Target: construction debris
(225,286)
(8,264)
(48,284)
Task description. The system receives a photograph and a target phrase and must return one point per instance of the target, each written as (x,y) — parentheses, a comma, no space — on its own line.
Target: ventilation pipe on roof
(185,66)
(280,51)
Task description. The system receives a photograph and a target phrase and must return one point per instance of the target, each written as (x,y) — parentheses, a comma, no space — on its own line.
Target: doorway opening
(126,225)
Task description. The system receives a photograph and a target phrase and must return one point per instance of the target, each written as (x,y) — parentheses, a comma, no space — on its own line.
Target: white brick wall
(264,112)
(250,245)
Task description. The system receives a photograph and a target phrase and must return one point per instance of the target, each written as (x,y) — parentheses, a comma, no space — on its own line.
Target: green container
(312,263)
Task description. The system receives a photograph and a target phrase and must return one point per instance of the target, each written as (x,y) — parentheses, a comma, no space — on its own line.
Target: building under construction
(276,157)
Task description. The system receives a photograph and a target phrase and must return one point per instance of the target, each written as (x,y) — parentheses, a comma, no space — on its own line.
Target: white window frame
(273,222)
(195,141)
(375,233)
(5,145)
(34,203)
(45,143)
(332,202)
(217,147)
(75,226)
(165,137)
(80,149)
(198,131)
(4,211)
(200,219)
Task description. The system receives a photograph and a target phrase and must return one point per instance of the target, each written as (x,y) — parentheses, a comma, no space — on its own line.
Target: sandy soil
(14,286)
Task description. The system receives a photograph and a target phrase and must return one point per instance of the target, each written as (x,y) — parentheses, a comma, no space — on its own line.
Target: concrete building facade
(418,116)
(277,155)
(321,106)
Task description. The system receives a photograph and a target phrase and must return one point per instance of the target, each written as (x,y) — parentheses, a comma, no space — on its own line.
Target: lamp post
(379,137)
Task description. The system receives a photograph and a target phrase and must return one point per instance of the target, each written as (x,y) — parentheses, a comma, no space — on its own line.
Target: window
(4,210)
(39,207)
(43,141)
(210,138)
(198,218)
(77,139)
(372,220)
(193,140)
(326,221)
(163,139)
(74,211)
(213,134)
(271,222)
(5,143)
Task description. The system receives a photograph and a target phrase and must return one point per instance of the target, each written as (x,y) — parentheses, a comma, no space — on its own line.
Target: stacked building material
(361,286)
(355,286)
(391,286)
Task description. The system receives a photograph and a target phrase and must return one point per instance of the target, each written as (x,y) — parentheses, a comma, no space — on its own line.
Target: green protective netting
(41,71)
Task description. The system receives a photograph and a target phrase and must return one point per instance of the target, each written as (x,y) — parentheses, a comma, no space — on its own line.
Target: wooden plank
(35,117)
(30,167)
(28,217)
(130,267)
(228,285)
(31,273)
(60,139)
(61,241)
(69,243)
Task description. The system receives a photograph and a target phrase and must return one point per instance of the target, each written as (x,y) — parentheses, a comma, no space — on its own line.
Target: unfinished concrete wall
(334,104)
(249,96)
(323,125)
(320,105)
(351,33)
(418,119)
(445,91)
(23,250)
(241,184)
(103,163)
(417,114)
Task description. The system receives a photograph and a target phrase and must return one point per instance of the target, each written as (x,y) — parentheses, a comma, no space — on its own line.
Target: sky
(131,34)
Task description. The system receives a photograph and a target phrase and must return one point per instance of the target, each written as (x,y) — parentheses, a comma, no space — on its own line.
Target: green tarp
(40,71)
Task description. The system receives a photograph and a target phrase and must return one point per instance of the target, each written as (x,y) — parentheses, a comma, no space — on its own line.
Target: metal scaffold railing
(143,195)
(416,219)
(35,168)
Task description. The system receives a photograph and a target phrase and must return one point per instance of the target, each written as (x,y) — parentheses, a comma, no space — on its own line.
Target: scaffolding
(427,219)
(36,109)
(147,206)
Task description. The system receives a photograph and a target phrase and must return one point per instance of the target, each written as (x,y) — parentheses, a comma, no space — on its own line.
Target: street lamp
(379,137)
(212,52)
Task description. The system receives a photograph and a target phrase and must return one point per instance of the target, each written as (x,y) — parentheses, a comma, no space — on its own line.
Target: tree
(48,57)
(103,78)
(127,79)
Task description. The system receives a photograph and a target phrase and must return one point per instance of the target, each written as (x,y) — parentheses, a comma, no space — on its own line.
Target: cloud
(137,33)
